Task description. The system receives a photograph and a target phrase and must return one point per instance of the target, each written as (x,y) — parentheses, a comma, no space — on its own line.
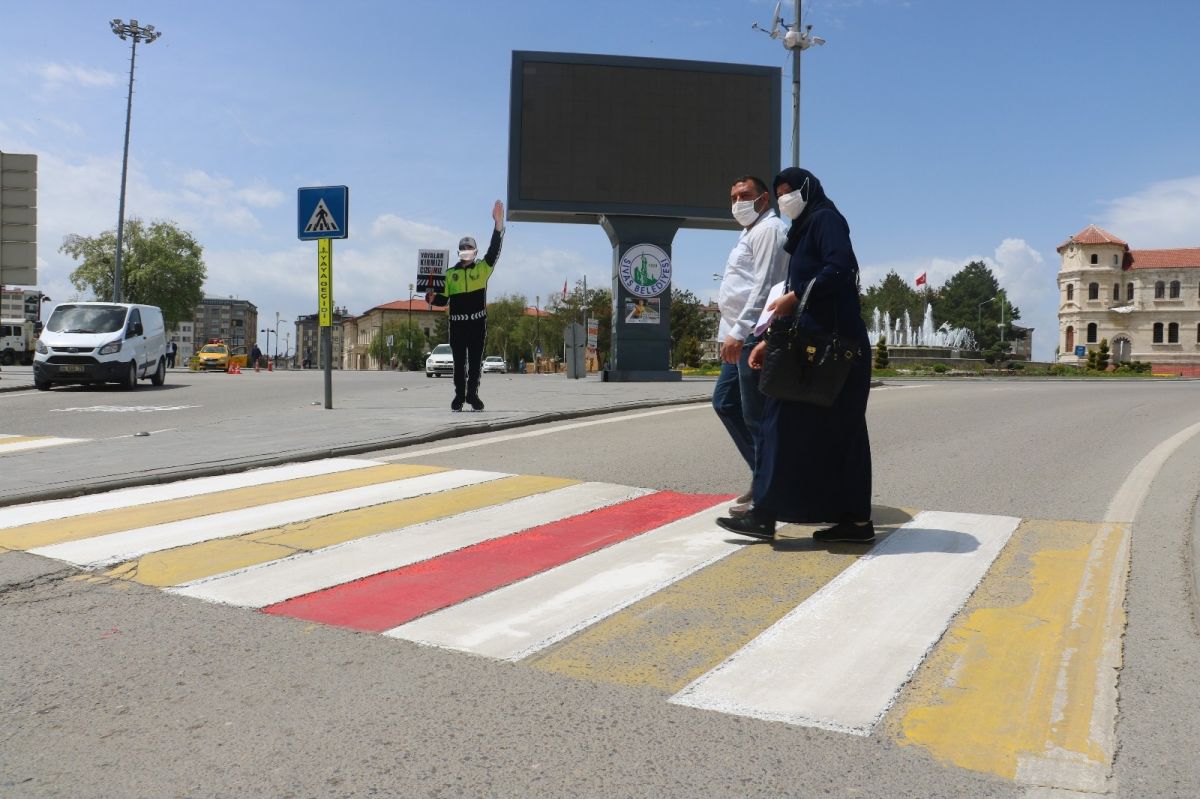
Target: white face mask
(467,256)
(744,213)
(792,204)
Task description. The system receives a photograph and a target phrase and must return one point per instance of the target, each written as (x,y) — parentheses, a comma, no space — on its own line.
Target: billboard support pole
(640,351)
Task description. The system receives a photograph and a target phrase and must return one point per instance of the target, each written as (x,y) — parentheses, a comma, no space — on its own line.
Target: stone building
(1145,302)
(308,339)
(359,331)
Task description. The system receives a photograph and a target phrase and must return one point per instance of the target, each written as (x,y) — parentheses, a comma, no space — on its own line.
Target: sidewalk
(370,415)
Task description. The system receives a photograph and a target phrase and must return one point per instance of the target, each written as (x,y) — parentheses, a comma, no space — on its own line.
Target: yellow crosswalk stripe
(1014,686)
(77,528)
(197,561)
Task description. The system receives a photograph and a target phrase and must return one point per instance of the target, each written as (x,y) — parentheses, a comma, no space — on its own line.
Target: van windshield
(86,319)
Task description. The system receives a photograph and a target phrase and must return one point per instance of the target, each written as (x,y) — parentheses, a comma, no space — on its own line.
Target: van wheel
(41,385)
(7,358)
(131,377)
(160,374)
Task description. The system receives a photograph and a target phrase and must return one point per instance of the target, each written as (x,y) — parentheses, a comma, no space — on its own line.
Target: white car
(440,361)
(494,363)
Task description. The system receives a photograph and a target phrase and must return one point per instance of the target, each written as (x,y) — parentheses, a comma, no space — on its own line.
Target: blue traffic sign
(1080,350)
(322,212)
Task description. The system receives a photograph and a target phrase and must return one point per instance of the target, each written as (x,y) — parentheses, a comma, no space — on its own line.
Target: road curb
(359,448)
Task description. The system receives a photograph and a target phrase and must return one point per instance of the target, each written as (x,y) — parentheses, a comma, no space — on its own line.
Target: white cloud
(55,75)
(1164,214)
(406,231)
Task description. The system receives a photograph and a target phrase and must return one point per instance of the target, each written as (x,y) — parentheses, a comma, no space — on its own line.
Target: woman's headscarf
(813,193)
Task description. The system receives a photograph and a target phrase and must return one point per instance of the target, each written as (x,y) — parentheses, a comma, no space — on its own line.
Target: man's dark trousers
(466,345)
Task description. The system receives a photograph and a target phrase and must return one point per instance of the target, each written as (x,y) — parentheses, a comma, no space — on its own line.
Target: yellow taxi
(214,355)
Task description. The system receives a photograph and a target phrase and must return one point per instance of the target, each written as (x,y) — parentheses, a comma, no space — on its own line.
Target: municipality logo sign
(645,270)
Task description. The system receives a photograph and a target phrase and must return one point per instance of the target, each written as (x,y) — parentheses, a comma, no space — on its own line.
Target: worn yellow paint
(20,440)
(196,561)
(1019,678)
(672,637)
(75,528)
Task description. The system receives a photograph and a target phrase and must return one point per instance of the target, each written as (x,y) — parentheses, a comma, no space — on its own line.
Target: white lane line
(268,583)
(35,443)
(129,497)
(839,659)
(512,623)
(546,431)
(114,548)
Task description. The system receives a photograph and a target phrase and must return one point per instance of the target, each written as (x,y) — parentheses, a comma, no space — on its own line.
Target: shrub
(1102,356)
(881,353)
(941,368)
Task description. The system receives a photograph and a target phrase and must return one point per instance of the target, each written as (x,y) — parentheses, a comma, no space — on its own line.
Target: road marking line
(559,428)
(839,659)
(220,556)
(520,619)
(107,550)
(21,443)
(129,497)
(387,600)
(274,582)
(58,531)
(670,638)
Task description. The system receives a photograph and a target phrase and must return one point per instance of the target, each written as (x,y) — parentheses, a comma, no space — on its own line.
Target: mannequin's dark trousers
(466,344)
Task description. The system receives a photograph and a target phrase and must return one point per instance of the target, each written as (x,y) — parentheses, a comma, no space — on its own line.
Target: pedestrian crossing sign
(322,212)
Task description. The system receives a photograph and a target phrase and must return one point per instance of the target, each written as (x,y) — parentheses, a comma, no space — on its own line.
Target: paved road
(634,650)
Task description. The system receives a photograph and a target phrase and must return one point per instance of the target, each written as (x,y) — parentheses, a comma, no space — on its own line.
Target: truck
(17,340)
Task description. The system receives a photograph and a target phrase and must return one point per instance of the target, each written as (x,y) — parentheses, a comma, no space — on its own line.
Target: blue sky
(945,130)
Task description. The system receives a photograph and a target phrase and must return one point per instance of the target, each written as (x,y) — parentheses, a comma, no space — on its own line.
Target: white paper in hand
(764,319)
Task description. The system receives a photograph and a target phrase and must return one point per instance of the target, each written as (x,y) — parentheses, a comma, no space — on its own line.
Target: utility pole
(795,41)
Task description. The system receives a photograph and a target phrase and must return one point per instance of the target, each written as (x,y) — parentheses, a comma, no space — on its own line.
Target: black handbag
(802,365)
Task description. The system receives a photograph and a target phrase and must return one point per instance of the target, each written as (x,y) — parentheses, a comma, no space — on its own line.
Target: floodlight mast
(797,41)
(137,33)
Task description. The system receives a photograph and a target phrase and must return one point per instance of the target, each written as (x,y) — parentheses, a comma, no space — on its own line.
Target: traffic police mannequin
(466,295)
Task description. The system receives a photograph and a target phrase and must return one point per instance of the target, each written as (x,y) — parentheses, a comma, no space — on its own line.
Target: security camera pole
(796,41)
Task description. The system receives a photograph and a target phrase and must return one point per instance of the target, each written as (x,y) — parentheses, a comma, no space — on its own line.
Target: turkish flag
(921,279)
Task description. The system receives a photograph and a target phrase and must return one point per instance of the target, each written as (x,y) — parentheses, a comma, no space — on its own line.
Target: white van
(101,342)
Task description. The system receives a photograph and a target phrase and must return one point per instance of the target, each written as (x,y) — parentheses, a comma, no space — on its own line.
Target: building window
(1198,334)
(1070,347)
(1116,262)
(1129,292)
(1093,291)
(1160,290)
(1158,332)
(1174,289)
(1091,333)
(1070,292)
(1173,333)
(1116,292)
(1095,258)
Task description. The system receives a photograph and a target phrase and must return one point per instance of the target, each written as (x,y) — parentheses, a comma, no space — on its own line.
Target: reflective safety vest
(462,280)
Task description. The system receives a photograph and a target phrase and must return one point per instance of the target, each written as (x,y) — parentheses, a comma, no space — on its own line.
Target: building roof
(405,305)
(1179,258)
(1093,235)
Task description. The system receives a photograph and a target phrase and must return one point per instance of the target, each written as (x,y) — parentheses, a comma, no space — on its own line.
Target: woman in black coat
(815,463)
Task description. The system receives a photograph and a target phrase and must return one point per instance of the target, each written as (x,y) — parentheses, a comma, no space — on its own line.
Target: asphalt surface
(115,689)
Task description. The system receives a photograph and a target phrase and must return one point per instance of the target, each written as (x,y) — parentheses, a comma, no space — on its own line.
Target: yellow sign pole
(325,312)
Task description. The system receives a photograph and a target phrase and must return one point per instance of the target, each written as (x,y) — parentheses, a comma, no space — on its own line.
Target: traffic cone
(234,370)
(270,366)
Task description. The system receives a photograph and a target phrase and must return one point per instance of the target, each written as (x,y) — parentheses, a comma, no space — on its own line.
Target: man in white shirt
(756,263)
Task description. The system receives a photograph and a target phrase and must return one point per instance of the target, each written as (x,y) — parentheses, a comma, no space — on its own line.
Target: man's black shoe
(456,403)
(475,401)
(749,524)
(847,531)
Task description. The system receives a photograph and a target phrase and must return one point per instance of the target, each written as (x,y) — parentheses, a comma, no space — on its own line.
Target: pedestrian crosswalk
(953,623)
(10,443)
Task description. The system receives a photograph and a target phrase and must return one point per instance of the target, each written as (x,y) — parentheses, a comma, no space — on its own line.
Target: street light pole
(137,34)
(537,336)
(979,315)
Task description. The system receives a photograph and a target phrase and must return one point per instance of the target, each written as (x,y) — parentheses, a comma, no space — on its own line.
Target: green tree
(504,317)
(966,301)
(161,265)
(894,296)
(441,330)
(408,344)
(1103,355)
(690,327)
(579,306)
(881,353)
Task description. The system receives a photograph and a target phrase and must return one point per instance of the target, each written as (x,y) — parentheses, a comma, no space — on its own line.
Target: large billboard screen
(592,135)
